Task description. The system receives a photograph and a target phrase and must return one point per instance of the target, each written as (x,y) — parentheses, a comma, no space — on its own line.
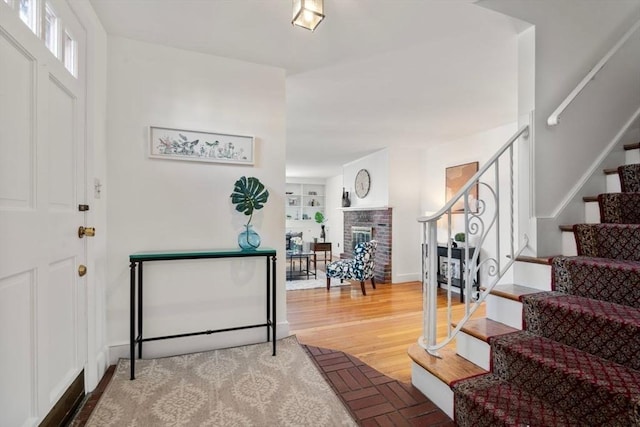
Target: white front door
(42,181)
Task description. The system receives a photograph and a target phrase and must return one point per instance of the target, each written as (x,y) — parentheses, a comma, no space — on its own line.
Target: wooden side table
(323,247)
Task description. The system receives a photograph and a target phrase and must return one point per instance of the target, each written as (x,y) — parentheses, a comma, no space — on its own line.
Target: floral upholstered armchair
(359,268)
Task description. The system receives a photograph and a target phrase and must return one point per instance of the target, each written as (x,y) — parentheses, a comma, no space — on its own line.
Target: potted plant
(320,219)
(460,237)
(249,195)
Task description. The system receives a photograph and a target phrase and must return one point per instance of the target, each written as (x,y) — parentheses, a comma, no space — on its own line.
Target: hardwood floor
(377,329)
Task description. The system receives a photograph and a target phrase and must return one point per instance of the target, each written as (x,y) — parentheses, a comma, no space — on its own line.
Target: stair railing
(483,218)
(554,118)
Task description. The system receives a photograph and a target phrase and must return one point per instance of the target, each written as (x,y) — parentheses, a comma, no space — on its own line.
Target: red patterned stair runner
(577,363)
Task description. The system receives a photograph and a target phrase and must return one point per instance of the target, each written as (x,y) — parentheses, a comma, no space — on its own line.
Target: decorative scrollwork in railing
(482,224)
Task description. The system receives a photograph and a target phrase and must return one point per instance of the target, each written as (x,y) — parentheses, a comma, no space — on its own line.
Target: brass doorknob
(86,231)
(82,270)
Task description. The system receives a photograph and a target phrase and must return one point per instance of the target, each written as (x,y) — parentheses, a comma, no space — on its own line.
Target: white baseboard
(195,344)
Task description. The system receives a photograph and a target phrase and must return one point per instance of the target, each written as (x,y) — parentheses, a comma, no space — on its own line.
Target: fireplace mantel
(365,208)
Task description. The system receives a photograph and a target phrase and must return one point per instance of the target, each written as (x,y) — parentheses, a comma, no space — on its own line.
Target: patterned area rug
(319,282)
(242,386)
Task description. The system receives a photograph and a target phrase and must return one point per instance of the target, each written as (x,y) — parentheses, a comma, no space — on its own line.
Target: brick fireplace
(379,222)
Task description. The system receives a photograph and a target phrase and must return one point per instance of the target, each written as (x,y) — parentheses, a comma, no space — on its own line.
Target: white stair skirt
(631,157)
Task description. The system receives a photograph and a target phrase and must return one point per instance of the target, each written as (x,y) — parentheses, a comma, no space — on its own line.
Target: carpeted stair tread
(589,388)
(629,177)
(488,401)
(586,324)
(615,241)
(619,208)
(598,278)
(485,328)
(449,368)
(512,291)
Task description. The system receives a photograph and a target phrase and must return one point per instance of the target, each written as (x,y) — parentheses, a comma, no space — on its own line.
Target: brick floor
(374,399)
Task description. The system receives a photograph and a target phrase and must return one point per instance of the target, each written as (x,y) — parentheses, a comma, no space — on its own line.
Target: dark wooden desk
(139,258)
(457,274)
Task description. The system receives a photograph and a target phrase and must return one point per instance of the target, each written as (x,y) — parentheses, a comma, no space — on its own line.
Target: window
(28,14)
(70,54)
(43,21)
(50,29)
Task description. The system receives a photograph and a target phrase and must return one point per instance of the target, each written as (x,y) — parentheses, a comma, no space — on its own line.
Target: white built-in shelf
(302,201)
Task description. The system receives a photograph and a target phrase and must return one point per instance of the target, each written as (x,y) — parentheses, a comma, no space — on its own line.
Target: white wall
(165,204)
(479,147)
(378,166)
(570,38)
(334,215)
(405,183)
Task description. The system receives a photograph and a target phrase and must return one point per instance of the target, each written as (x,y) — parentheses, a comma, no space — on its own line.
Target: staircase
(565,349)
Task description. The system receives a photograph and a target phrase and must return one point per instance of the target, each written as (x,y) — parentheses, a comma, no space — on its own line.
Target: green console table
(137,261)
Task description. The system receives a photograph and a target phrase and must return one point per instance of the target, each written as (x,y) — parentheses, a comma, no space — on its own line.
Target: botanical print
(200,146)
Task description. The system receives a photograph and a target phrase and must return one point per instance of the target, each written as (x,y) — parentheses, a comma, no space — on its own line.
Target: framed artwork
(455,178)
(454,266)
(179,144)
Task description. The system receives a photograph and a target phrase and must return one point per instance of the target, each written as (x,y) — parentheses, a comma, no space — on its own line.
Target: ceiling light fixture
(308,13)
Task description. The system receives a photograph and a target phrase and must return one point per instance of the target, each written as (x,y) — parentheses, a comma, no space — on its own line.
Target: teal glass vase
(248,240)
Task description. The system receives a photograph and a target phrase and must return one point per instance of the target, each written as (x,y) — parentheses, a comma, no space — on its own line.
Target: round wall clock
(363,183)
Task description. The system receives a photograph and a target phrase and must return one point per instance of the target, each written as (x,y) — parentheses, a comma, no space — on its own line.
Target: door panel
(62,147)
(59,331)
(42,181)
(16,136)
(17,328)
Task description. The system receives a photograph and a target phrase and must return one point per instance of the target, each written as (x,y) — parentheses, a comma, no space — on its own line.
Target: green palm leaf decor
(249,195)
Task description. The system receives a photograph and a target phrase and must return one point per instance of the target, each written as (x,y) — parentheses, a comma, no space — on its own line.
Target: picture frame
(455,178)
(445,265)
(200,146)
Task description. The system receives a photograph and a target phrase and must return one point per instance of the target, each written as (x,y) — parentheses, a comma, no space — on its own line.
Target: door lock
(86,231)
(82,270)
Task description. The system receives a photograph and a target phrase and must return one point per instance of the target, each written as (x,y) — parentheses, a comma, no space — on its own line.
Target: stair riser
(474,350)
(432,387)
(591,213)
(537,276)
(632,156)
(613,183)
(504,310)
(569,247)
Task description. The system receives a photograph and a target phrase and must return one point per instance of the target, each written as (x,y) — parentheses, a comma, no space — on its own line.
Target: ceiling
(374,74)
